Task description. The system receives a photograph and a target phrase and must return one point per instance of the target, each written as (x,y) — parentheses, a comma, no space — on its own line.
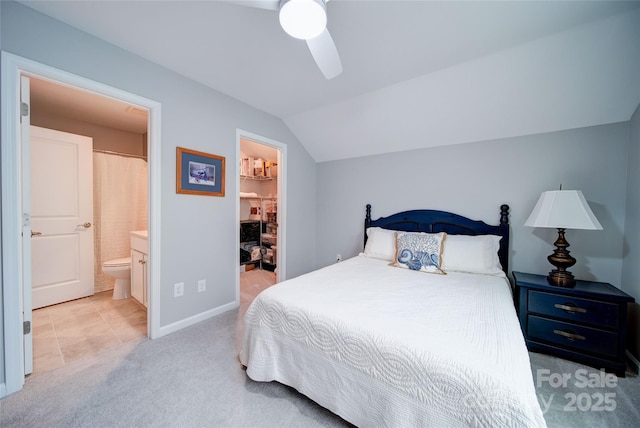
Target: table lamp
(562,209)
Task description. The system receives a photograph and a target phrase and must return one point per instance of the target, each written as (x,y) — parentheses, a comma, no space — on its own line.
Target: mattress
(384,346)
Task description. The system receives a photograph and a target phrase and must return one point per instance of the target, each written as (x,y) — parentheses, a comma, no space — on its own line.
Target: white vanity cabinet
(139,250)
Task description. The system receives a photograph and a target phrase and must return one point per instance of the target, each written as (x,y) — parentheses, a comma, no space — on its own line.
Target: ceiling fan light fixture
(303,19)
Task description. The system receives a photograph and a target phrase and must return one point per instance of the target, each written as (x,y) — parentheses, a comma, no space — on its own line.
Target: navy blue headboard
(432,221)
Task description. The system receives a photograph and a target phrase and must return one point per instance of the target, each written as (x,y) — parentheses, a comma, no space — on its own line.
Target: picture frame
(199,173)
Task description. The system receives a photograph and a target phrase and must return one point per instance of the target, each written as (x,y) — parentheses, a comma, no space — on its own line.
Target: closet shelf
(255,177)
(264,198)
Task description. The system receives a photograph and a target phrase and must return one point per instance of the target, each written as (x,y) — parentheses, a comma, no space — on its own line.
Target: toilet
(120,269)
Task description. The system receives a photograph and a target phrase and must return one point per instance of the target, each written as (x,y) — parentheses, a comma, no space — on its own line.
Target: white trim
(281,274)
(13,67)
(154,159)
(11,228)
(202,316)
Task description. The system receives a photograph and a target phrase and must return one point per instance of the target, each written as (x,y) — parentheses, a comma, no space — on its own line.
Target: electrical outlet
(178,289)
(202,285)
(338,258)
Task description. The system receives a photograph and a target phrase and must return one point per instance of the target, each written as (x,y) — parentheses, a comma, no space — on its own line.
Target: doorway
(16,266)
(261,215)
(258,218)
(113,171)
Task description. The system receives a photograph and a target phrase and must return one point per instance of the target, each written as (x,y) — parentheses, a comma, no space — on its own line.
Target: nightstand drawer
(573,336)
(574,309)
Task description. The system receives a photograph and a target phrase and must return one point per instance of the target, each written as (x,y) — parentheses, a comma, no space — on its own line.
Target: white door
(61,172)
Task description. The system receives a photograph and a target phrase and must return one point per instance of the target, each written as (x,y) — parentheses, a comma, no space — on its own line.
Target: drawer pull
(570,336)
(570,308)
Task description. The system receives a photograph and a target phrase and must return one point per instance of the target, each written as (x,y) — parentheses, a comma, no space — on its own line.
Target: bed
(426,342)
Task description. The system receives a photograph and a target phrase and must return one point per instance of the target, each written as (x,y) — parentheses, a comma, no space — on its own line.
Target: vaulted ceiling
(416,73)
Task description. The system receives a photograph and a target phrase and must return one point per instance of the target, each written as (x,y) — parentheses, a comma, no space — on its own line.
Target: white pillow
(381,243)
(475,254)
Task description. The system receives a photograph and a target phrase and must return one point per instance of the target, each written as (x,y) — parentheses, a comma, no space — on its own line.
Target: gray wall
(631,248)
(104,138)
(198,233)
(475,179)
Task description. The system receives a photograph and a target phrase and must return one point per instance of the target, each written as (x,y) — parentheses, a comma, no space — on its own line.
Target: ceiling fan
(306,20)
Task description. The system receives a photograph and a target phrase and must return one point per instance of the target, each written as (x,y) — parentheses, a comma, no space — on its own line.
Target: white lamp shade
(303,19)
(566,209)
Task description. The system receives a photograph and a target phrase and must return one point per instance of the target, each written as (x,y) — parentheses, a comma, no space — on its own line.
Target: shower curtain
(119,207)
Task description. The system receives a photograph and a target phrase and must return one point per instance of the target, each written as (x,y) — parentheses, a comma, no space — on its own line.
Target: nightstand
(586,323)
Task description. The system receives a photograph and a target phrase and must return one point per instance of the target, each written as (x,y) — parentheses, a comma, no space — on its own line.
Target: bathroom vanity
(139,251)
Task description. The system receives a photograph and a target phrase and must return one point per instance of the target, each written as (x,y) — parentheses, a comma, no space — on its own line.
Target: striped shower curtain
(119,206)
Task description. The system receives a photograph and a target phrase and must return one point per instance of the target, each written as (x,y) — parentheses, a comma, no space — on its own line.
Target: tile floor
(253,282)
(72,330)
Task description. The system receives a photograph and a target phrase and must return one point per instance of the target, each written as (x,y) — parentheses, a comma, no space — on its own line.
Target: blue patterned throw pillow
(419,251)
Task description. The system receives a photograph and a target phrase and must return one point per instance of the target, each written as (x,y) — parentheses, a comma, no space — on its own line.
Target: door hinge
(24,109)
(26,327)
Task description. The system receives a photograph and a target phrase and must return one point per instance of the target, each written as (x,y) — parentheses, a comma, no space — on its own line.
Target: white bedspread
(383,346)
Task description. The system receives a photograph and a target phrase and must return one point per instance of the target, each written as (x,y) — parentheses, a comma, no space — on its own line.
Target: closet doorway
(261,215)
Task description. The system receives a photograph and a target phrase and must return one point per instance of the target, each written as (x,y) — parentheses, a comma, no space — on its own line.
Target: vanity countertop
(139,234)
(139,241)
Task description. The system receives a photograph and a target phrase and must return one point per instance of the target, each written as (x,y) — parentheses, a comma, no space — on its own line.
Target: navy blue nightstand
(586,323)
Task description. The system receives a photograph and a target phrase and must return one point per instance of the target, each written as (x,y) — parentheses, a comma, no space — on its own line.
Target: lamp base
(562,260)
(561,278)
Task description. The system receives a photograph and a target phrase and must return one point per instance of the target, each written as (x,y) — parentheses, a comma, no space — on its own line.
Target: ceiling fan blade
(324,52)
(260,4)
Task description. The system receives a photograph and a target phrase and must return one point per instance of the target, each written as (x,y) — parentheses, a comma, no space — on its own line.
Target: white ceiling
(416,73)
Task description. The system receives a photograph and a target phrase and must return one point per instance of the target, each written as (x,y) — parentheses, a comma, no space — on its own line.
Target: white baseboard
(179,325)
(634,363)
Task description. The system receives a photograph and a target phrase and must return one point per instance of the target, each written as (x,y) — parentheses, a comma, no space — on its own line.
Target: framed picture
(199,173)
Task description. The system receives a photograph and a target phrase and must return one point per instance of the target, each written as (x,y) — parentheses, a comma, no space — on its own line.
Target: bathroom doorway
(117,165)
(16,260)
